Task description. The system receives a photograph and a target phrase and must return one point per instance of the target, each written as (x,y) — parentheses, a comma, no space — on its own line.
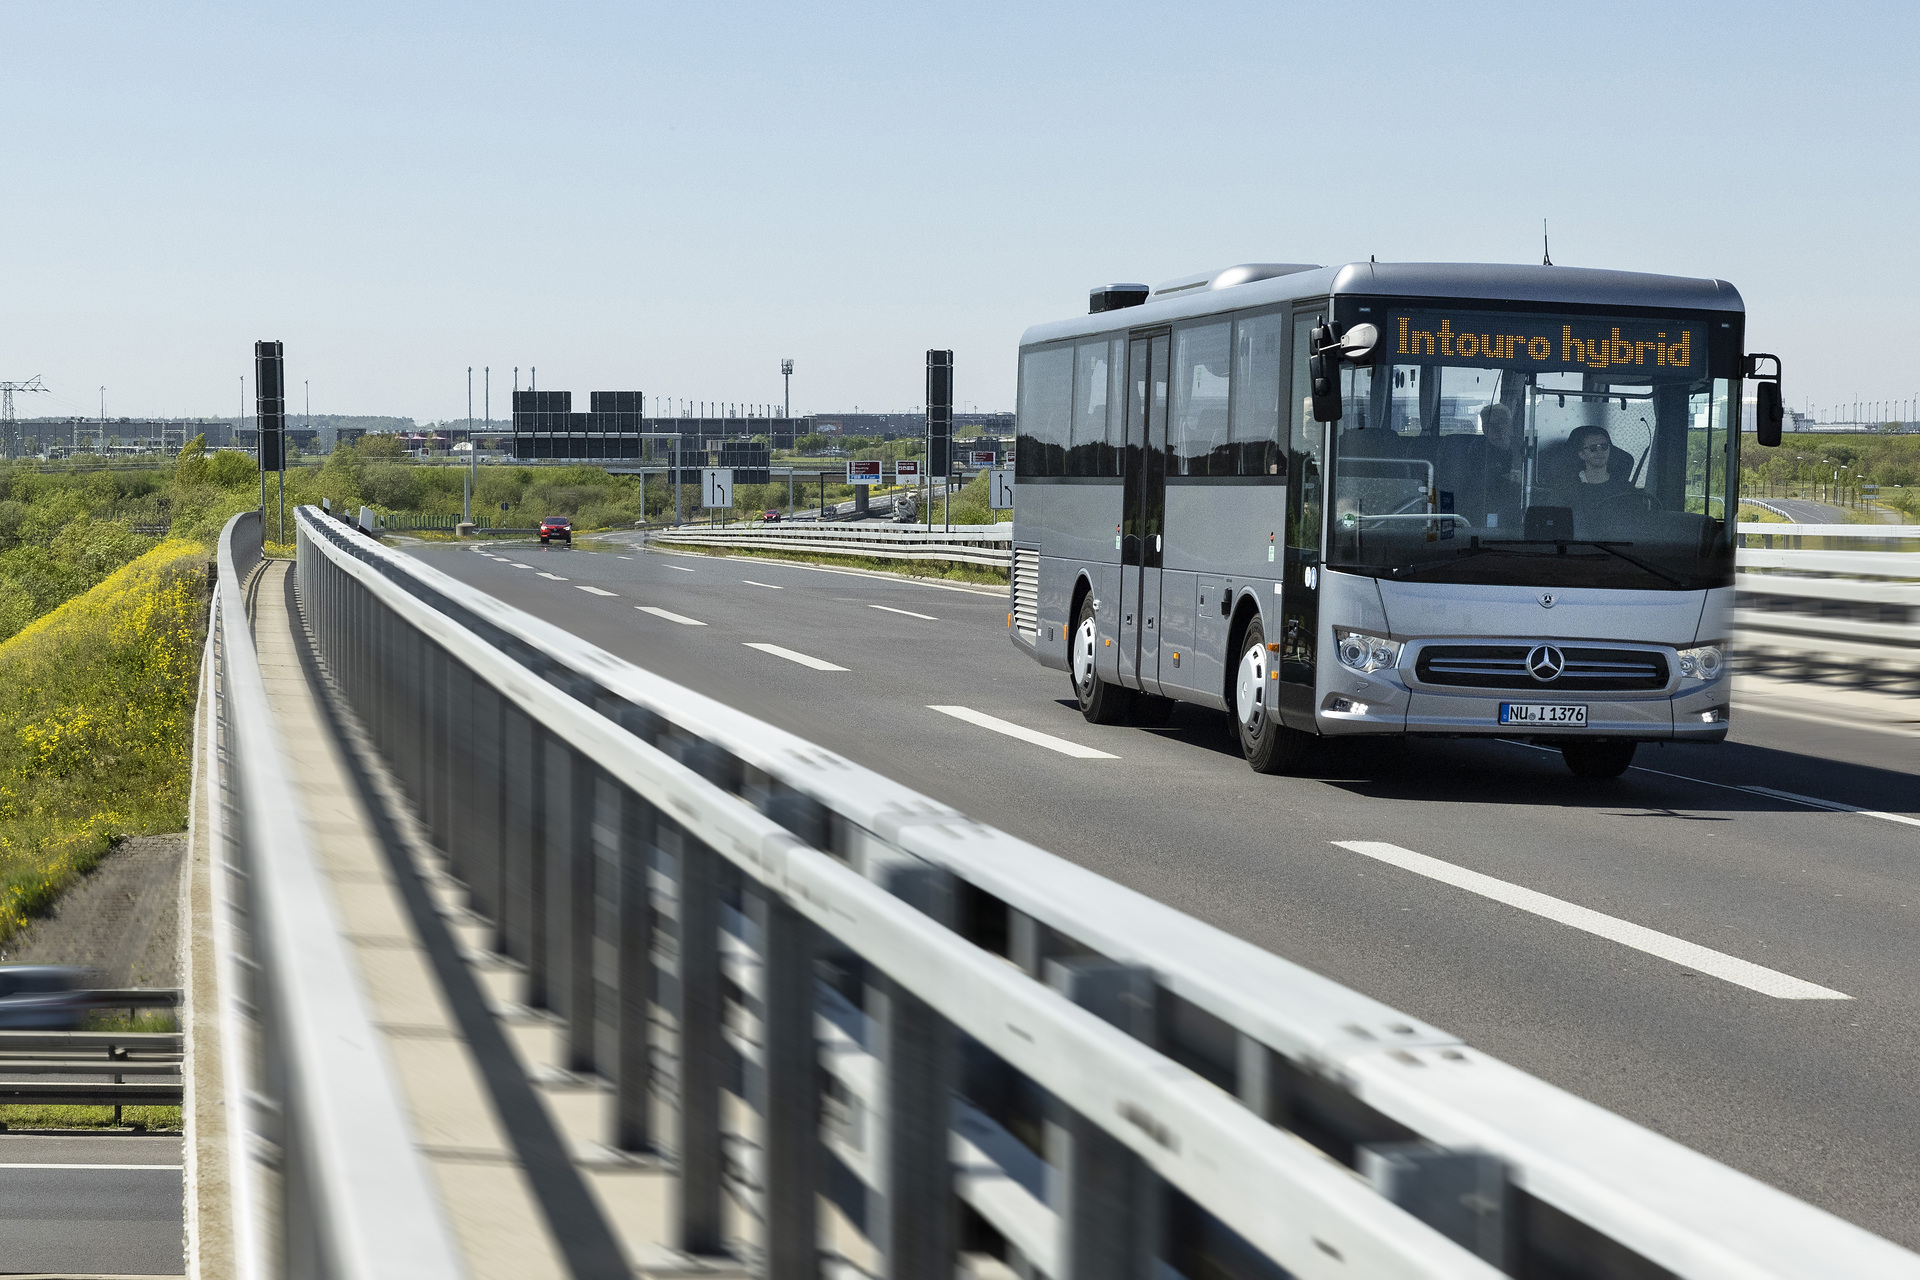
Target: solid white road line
(1833,805)
(805,660)
(556,577)
(1717,964)
(172,1167)
(770,586)
(670,615)
(595,590)
(516,564)
(1023,733)
(910,613)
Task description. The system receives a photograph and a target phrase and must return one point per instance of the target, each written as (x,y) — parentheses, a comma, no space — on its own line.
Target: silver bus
(1391,498)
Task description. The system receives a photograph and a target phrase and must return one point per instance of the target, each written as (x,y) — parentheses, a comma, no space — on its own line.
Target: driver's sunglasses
(1595,448)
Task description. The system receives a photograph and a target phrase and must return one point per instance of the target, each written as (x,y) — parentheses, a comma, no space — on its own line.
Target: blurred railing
(965,1043)
(1848,604)
(989,545)
(319,1169)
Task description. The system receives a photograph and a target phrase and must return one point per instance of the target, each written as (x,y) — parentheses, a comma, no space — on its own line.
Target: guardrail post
(702,1049)
(790,1105)
(518,765)
(915,1228)
(1108,1201)
(628,821)
(570,899)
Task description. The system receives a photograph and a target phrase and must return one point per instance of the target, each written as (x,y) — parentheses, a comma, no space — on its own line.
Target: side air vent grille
(1026,593)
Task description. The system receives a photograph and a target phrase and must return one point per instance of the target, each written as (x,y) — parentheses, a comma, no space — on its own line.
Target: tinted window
(1197,431)
(1090,451)
(1046,409)
(1260,360)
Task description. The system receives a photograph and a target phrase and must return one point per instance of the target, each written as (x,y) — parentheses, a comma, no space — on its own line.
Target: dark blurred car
(556,527)
(44,997)
(770,517)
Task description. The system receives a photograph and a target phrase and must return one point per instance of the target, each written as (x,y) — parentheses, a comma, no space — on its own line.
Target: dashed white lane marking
(770,586)
(170,1167)
(682,568)
(910,613)
(556,577)
(516,564)
(595,590)
(1763,709)
(805,660)
(1023,733)
(1717,964)
(1833,805)
(623,557)
(670,615)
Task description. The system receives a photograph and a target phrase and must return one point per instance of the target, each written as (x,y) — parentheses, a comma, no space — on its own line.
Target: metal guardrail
(1098,1078)
(153,1058)
(1830,609)
(321,1163)
(987,545)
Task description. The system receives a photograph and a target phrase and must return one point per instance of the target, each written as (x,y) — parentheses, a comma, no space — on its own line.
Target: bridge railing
(1829,599)
(318,1176)
(965,1043)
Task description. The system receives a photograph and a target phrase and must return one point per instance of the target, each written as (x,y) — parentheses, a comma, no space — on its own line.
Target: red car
(556,527)
(770,517)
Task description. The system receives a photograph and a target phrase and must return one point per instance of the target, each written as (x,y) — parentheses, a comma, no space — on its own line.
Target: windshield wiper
(1505,544)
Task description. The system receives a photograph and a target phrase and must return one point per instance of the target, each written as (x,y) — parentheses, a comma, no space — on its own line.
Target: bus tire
(1100,702)
(1268,745)
(1598,757)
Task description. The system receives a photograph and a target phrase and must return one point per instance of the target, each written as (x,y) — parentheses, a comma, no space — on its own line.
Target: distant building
(615,427)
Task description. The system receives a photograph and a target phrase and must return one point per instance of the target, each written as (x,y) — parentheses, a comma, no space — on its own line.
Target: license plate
(1542,713)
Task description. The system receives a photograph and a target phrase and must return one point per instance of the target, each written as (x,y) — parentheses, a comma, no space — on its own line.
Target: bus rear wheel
(1268,745)
(1100,702)
(1598,757)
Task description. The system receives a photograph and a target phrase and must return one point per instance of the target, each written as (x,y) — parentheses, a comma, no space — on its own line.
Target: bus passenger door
(1143,512)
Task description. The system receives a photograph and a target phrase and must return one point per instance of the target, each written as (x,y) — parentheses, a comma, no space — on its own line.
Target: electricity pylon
(10,439)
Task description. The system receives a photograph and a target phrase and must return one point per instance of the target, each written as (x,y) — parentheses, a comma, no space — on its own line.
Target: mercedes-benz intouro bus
(1391,498)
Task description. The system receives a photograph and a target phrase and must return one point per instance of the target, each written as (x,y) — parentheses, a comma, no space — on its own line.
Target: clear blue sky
(672,198)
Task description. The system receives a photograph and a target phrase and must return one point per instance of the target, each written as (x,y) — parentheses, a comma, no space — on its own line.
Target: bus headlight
(1704,662)
(1363,652)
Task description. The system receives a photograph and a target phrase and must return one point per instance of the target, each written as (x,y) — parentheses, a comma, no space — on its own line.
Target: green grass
(25,1116)
(96,700)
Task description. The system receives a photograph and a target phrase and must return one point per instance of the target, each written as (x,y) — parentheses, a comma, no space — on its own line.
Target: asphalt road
(103,1204)
(1803,510)
(1819,1096)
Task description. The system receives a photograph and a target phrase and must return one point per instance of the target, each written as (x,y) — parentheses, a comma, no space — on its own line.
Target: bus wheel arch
(1244,612)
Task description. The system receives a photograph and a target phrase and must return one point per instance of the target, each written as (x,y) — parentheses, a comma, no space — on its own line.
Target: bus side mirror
(1323,375)
(1768,411)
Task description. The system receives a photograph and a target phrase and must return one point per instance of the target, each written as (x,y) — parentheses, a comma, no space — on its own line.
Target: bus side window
(1259,383)
(1046,411)
(1089,452)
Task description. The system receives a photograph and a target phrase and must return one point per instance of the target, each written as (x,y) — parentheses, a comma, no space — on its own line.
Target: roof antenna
(1546,258)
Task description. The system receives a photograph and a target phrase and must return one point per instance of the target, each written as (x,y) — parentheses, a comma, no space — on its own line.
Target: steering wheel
(1625,497)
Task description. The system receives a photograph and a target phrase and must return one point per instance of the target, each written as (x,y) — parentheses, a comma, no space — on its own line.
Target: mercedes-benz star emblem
(1545,662)
(1547,599)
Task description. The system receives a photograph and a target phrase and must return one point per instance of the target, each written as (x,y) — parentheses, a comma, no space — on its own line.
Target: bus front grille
(1504,666)
(1026,592)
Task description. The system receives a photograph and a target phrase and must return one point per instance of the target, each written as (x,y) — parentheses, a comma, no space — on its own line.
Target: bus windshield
(1535,450)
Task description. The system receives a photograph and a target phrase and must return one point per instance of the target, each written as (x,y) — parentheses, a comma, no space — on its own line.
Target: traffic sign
(863,472)
(1000,489)
(983,457)
(716,487)
(904,471)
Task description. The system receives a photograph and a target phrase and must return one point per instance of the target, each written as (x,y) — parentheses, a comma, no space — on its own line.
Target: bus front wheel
(1598,757)
(1100,702)
(1269,746)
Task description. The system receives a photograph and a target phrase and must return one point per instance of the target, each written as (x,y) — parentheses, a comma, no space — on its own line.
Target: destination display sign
(906,470)
(1662,349)
(863,472)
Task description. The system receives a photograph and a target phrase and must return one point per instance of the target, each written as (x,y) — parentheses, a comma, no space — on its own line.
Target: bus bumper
(1373,705)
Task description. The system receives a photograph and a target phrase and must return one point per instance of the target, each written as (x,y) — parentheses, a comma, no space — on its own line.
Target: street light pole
(467,506)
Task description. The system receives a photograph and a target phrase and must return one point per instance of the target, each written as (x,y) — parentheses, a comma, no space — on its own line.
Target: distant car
(43,997)
(770,517)
(556,527)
